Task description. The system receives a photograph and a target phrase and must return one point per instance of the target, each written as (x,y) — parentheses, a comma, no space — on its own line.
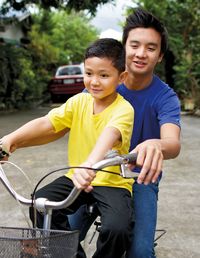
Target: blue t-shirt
(154,106)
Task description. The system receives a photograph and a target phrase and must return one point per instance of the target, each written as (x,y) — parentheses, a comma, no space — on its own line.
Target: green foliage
(25,86)
(56,38)
(77,5)
(72,35)
(17,79)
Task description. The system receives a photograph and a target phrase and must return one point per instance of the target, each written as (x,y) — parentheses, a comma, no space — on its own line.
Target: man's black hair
(108,48)
(141,18)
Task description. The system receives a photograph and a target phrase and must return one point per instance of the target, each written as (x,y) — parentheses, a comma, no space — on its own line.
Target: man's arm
(36,132)
(107,140)
(151,153)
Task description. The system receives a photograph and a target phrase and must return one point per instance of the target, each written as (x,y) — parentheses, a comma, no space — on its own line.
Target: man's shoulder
(159,83)
(159,91)
(162,88)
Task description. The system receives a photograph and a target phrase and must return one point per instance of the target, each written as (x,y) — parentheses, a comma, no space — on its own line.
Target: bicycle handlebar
(44,204)
(10,189)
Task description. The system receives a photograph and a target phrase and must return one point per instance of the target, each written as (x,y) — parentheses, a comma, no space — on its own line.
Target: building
(14,29)
(110,33)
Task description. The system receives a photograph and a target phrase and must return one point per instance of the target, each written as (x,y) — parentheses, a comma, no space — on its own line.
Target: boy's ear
(123,76)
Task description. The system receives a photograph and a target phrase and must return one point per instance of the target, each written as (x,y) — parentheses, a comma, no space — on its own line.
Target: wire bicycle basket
(37,243)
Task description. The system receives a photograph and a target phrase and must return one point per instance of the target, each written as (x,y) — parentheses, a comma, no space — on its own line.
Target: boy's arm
(151,153)
(36,132)
(107,140)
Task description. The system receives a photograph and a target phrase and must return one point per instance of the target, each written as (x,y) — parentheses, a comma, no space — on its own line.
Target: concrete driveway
(179,204)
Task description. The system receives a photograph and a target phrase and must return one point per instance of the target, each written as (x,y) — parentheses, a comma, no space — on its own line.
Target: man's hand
(150,159)
(151,153)
(82,178)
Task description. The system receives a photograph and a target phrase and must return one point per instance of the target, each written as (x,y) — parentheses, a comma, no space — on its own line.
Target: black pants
(115,208)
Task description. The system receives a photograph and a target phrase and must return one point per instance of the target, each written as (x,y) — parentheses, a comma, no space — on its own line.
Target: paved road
(179,204)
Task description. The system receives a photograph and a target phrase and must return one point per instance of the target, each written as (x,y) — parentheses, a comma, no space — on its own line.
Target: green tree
(17,78)
(63,41)
(90,5)
(71,35)
(56,38)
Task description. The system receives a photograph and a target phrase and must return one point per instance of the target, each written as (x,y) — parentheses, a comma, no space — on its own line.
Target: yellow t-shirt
(85,129)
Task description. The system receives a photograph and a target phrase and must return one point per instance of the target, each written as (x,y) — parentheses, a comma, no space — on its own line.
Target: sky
(109,16)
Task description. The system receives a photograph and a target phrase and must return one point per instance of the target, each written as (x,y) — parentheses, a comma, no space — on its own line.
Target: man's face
(143,48)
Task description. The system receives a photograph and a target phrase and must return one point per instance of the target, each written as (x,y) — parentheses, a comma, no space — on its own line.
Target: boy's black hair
(141,18)
(108,48)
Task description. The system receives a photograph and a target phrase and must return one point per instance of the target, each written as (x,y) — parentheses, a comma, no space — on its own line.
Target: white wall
(12,32)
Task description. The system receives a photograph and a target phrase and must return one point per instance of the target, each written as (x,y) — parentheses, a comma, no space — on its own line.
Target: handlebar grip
(3,151)
(131,157)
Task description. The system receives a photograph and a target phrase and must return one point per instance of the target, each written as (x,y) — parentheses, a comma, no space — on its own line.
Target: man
(156,133)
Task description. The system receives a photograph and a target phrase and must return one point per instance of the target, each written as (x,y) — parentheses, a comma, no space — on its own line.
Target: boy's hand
(82,178)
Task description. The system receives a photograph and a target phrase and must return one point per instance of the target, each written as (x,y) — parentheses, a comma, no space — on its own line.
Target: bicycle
(41,243)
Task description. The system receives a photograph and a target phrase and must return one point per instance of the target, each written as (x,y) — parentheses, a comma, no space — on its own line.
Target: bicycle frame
(46,206)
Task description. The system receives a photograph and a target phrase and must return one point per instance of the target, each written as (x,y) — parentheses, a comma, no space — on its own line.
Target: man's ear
(123,76)
(160,57)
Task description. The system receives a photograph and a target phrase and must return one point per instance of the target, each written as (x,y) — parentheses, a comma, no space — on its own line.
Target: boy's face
(101,78)
(143,51)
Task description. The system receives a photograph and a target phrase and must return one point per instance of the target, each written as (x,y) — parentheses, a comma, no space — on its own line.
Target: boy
(96,122)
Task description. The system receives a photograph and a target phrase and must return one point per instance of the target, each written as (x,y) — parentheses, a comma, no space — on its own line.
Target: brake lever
(126,172)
